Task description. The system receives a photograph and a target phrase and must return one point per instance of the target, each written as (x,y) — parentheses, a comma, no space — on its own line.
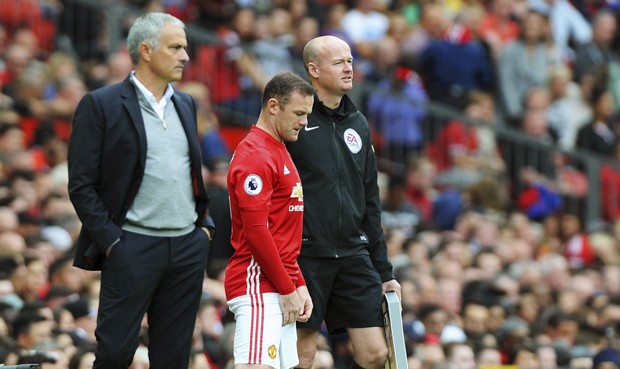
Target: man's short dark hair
(283,85)
(24,321)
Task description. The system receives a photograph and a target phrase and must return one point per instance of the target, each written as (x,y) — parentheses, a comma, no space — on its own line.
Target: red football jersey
(266,198)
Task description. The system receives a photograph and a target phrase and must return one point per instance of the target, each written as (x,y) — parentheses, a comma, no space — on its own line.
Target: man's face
(463,357)
(534,26)
(168,59)
(39,333)
(475,318)
(335,70)
(292,117)
(435,322)
(566,331)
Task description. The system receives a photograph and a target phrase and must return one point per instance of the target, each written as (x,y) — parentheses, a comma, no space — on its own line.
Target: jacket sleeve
(209,224)
(84,161)
(371,224)
(202,198)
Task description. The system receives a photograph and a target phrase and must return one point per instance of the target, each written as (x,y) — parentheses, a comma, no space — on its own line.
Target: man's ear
(313,70)
(273,105)
(145,51)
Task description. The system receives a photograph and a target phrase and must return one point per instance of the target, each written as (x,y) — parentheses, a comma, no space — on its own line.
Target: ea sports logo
(353,140)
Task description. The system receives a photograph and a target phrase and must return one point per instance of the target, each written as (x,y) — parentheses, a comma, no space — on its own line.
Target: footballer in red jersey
(264,286)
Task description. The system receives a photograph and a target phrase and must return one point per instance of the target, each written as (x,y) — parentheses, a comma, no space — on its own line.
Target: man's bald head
(329,64)
(316,48)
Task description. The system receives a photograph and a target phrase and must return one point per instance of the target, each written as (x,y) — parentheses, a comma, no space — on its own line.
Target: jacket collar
(348,109)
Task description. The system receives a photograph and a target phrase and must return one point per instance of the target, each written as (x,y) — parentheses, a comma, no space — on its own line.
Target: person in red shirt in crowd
(264,286)
(465,153)
(498,26)
(37,17)
(419,186)
(576,246)
(230,70)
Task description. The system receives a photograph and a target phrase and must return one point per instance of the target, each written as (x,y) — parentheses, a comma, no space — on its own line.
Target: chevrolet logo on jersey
(298,192)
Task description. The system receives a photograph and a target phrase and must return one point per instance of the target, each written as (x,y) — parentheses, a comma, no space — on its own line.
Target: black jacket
(589,139)
(107,155)
(336,163)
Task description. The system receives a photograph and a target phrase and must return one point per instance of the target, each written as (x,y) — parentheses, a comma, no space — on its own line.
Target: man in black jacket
(343,255)
(135,181)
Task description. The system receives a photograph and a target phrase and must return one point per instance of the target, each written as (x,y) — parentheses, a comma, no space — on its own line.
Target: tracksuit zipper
(335,141)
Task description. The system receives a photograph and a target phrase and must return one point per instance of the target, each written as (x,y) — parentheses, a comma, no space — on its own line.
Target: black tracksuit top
(335,160)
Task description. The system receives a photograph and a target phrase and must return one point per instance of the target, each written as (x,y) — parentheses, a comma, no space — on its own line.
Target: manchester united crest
(272,351)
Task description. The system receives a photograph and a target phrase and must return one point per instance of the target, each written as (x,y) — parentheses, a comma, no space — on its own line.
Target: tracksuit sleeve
(371,223)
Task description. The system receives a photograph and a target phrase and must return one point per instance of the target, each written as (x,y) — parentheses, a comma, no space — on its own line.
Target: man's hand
(208,232)
(391,285)
(291,306)
(307,305)
(109,249)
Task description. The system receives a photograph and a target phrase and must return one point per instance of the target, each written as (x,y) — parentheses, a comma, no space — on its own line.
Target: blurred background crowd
(495,124)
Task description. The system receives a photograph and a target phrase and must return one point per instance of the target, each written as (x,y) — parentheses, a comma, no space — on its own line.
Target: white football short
(260,337)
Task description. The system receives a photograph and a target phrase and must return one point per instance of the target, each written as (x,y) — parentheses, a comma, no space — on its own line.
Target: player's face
(293,117)
(169,58)
(336,68)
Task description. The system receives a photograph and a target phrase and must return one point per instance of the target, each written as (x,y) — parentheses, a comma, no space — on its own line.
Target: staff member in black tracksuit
(343,255)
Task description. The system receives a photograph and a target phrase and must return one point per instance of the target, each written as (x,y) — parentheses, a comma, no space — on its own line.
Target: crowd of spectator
(489,275)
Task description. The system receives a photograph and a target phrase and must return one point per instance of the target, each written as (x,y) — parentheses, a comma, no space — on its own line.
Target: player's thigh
(260,338)
(319,274)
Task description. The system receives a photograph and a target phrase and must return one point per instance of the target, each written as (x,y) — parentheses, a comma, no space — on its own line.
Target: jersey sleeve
(265,251)
(255,175)
(301,281)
